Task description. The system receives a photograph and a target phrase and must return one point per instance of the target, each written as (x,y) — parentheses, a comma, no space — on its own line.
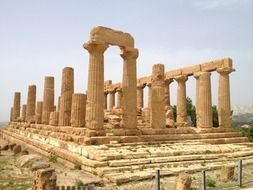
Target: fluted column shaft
(119,97)
(105,100)
(31,103)
(140,96)
(54,118)
(205,118)
(78,110)
(95,95)
(111,99)
(23,112)
(224,109)
(16,105)
(67,89)
(181,100)
(39,111)
(129,88)
(167,91)
(197,97)
(48,99)
(158,97)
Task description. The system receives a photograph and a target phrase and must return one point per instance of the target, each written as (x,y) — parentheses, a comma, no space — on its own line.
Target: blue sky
(39,38)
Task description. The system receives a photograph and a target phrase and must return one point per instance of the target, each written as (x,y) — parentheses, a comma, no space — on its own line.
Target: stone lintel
(191,70)
(173,73)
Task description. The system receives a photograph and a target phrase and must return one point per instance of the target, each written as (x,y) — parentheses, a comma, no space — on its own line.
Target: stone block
(227,173)
(183,182)
(17,149)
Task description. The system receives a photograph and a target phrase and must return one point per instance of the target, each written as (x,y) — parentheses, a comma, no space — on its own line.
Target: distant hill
(243,118)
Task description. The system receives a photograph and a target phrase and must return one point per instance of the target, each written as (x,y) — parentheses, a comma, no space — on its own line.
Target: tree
(215,117)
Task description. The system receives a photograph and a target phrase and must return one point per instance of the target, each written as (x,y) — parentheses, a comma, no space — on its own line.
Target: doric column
(11,114)
(224,97)
(181,100)
(23,112)
(59,103)
(158,97)
(196,76)
(31,103)
(48,99)
(167,91)
(67,89)
(39,110)
(105,100)
(16,105)
(54,118)
(205,114)
(140,96)
(111,99)
(119,97)
(95,95)
(78,110)
(149,94)
(129,85)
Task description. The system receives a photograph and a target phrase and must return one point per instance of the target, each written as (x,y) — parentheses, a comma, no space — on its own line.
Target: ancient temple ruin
(113,115)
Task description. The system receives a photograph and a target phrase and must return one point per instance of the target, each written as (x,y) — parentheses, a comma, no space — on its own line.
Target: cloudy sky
(39,38)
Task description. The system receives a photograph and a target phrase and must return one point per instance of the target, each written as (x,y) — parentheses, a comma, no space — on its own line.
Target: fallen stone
(183,182)
(226,173)
(40,165)
(3,145)
(17,149)
(24,152)
(11,146)
(28,160)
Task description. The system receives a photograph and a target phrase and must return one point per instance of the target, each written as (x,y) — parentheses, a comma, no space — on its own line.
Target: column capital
(168,81)
(140,85)
(111,90)
(225,70)
(196,75)
(181,78)
(129,53)
(119,89)
(95,47)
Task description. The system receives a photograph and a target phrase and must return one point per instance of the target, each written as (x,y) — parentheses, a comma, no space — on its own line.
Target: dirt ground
(14,177)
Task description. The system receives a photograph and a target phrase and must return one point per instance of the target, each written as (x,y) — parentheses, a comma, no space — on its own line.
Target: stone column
(158,97)
(119,97)
(11,114)
(196,76)
(31,103)
(167,91)
(67,89)
(39,110)
(54,118)
(129,88)
(205,114)
(59,103)
(48,99)
(224,109)
(181,101)
(78,110)
(140,96)
(23,112)
(16,105)
(95,95)
(105,100)
(111,99)
(149,94)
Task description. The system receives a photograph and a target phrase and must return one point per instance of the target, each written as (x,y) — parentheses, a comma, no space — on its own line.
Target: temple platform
(121,159)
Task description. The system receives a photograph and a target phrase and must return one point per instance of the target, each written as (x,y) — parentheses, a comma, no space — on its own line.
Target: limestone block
(17,149)
(227,173)
(173,73)
(211,66)
(45,179)
(183,182)
(110,36)
(190,70)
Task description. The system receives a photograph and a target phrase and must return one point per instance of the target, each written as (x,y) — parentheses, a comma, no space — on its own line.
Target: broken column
(39,109)
(158,97)
(31,103)
(16,106)
(78,110)
(23,112)
(48,99)
(224,109)
(67,89)
(205,114)
(129,88)
(95,95)
(181,101)
(54,118)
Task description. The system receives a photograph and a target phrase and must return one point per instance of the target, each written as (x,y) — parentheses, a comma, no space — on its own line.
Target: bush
(52,158)
(210,182)
(77,166)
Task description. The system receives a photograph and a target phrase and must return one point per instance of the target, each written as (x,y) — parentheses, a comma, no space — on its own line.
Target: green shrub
(77,166)
(210,182)
(52,158)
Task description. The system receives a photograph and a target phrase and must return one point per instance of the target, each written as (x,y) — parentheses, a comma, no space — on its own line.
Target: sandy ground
(14,177)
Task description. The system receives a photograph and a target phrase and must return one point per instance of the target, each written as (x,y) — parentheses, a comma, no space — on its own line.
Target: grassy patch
(210,182)
(52,158)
